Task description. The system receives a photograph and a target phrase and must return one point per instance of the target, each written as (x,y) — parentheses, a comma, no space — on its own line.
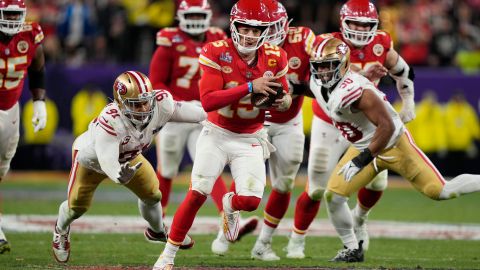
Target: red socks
(276,208)
(368,198)
(305,211)
(185,215)
(245,203)
(165,188)
(219,189)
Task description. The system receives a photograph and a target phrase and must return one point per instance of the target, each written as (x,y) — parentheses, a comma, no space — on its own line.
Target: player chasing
(112,148)
(379,138)
(21,52)
(373,55)
(233,69)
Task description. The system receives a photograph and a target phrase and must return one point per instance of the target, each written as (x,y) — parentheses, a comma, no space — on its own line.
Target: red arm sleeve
(160,66)
(212,94)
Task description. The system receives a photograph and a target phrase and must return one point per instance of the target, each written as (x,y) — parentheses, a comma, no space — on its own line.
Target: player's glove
(39,119)
(351,168)
(407,113)
(127,172)
(285,103)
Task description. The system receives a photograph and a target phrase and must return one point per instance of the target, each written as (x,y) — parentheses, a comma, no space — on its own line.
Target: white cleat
(61,245)
(264,252)
(295,248)
(163,263)
(220,245)
(362,235)
(231,218)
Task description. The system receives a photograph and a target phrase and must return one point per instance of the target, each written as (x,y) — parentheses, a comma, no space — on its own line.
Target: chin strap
(404,76)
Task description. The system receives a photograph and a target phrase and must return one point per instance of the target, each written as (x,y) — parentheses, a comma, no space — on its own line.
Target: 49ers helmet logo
(342,49)
(121,88)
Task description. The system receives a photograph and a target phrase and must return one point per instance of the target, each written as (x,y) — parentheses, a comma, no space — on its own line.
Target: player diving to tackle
(379,140)
(111,149)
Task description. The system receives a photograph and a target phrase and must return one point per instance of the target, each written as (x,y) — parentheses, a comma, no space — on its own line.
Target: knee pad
(283,186)
(76,212)
(319,160)
(334,199)
(380,182)
(316,194)
(204,185)
(245,203)
(433,191)
(152,200)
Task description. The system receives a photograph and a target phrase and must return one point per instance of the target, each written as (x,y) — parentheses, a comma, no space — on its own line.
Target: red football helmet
(252,13)
(194,26)
(280,22)
(360,11)
(12,16)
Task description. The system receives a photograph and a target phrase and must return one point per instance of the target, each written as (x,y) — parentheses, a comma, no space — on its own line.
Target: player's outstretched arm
(188,112)
(107,150)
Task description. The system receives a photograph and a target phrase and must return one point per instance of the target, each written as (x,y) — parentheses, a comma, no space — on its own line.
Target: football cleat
(220,244)
(263,251)
(231,218)
(4,246)
(362,235)
(295,248)
(163,263)
(349,255)
(249,226)
(61,245)
(156,237)
(187,243)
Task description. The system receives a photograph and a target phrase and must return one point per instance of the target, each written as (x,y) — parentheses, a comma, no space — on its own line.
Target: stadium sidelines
(209,225)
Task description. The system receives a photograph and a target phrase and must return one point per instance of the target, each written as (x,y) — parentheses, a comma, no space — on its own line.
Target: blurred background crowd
(88,42)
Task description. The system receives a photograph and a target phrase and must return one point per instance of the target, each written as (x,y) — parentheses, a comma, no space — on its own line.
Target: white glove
(127,172)
(39,119)
(284,104)
(349,170)
(407,113)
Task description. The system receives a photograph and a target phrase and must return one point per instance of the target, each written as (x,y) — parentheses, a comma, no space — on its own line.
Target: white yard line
(209,225)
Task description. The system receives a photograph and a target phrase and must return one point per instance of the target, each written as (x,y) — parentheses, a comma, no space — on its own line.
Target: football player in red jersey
(175,67)
(233,133)
(373,55)
(285,129)
(21,52)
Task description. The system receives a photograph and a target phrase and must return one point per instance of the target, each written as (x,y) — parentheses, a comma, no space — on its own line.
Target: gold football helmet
(133,93)
(330,61)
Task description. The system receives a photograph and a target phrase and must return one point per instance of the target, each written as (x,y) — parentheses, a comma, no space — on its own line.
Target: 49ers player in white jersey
(21,52)
(111,149)
(379,140)
(285,129)
(373,55)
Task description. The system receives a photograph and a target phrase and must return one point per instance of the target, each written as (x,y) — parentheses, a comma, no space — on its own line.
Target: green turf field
(32,250)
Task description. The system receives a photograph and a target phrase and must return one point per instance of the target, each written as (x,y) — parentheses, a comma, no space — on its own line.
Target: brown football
(265,102)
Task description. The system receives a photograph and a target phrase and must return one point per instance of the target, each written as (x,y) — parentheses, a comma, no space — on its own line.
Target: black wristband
(363,158)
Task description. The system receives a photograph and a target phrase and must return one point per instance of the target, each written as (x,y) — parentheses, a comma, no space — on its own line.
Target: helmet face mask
(249,14)
(330,62)
(12,16)
(134,96)
(279,28)
(362,14)
(194,16)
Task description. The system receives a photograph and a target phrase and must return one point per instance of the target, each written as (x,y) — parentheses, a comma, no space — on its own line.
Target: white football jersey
(131,142)
(353,125)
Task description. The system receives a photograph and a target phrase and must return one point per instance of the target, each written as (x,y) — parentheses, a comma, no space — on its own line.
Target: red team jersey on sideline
(15,59)
(375,52)
(221,58)
(174,65)
(298,45)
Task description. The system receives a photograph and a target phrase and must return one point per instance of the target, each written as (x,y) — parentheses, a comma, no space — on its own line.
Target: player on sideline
(233,134)
(285,128)
(21,52)
(112,148)
(175,67)
(373,55)
(379,138)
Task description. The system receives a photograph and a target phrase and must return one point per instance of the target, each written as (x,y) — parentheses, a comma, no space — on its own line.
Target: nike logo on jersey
(255,144)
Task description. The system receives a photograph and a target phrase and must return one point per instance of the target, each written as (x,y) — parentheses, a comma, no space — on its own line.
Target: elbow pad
(404,76)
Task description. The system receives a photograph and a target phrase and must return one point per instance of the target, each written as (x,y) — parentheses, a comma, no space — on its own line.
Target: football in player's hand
(265,102)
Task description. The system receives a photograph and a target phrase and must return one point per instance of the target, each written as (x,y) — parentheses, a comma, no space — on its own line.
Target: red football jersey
(298,45)
(221,60)
(174,65)
(375,52)
(15,58)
